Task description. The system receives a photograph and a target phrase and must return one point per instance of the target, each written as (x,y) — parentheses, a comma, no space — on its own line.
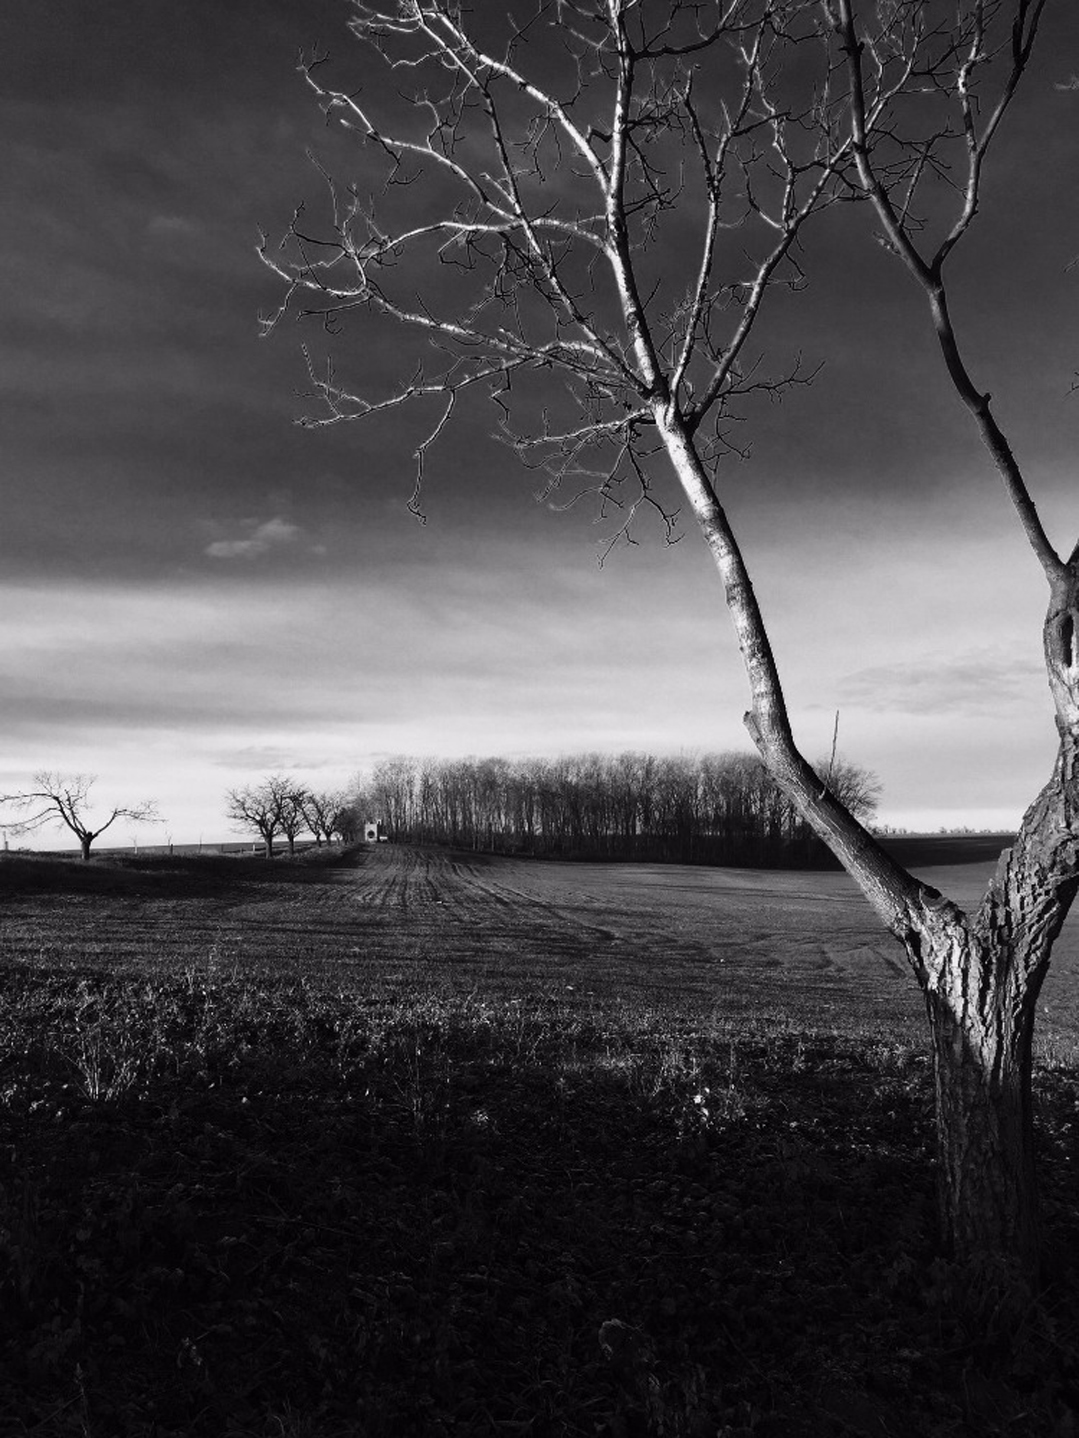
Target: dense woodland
(689,809)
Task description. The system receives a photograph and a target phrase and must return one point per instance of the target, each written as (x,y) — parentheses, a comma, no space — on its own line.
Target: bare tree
(293,814)
(347,823)
(981,973)
(856,788)
(546,163)
(64,799)
(391,793)
(271,807)
(322,810)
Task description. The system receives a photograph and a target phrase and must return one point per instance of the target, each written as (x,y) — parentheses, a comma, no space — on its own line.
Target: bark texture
(982,980)
(986,1187)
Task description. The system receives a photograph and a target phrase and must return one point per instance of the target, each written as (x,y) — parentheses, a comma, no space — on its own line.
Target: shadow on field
(228,1210)
(193,875)
(925,851)
(166,876)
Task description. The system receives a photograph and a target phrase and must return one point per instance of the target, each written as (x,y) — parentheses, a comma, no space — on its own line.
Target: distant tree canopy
(701,809)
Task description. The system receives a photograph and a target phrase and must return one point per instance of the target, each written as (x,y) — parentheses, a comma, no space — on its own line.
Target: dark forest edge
(686,809)
(26,868)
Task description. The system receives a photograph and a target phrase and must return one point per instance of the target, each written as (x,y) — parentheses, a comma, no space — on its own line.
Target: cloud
(260,539)
(982,682)
(268,757)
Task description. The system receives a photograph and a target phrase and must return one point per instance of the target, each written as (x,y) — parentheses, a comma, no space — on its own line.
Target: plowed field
(797,947)
(407,1143)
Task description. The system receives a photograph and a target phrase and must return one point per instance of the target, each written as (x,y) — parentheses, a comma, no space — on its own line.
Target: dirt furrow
(801,945)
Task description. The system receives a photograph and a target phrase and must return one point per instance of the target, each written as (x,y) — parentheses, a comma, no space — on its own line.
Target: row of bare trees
(279,806)
(710,808)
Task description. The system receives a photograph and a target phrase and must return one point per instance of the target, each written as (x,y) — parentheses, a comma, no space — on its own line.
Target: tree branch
(929,273)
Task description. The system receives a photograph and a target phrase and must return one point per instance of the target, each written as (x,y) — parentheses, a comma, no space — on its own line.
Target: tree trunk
(982,1044)
(268,846)
(85,840)
(981,978)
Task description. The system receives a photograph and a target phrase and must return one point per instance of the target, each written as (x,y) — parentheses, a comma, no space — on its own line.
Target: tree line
(689,809)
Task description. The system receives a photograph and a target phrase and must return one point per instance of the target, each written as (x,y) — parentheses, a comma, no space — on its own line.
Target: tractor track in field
(790,943)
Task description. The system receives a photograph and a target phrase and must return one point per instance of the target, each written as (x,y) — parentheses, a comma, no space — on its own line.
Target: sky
(196,592)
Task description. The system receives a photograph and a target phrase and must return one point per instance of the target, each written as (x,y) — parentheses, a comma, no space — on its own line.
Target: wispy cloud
(259,539)
(982,682)
(269,757)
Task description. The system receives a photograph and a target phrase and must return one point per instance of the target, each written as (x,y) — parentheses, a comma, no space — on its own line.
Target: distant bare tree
(390,792)
(64,799)
(349,820)
(293,814)
(271,807)
(322,809)
(346,823)
(856,788)
(544,163)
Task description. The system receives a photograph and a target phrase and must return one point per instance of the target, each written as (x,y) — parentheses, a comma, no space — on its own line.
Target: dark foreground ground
(414,1144)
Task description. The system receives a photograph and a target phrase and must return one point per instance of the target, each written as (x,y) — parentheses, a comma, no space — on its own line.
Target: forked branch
(954,66)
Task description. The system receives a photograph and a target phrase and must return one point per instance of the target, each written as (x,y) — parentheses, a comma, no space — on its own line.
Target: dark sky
(195,590)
